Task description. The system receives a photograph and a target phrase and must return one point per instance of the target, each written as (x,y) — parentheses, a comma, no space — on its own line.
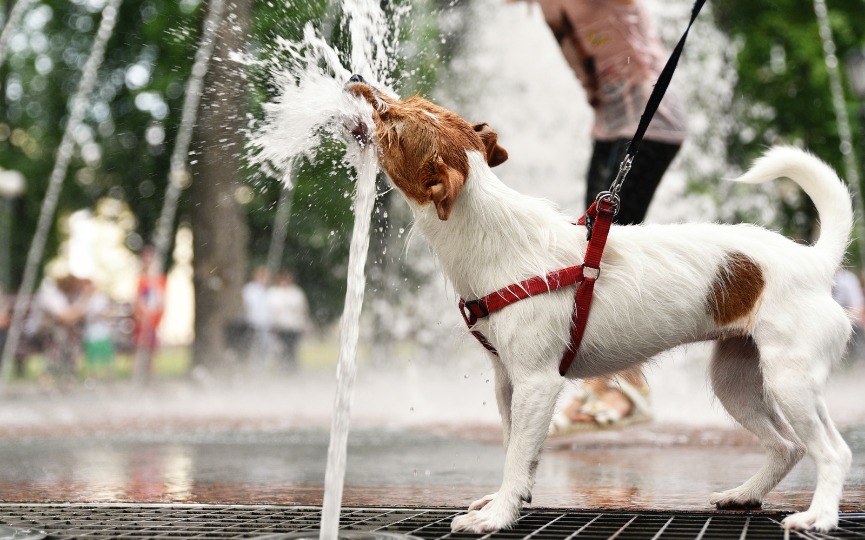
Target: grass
(168,363)
(175,362)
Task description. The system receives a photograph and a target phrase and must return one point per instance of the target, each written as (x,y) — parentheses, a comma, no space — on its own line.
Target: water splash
(348,330)
(312,104)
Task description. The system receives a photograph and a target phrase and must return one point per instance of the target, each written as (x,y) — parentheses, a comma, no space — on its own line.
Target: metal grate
(68,521)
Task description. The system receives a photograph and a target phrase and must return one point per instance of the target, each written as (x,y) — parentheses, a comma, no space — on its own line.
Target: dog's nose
(356,79)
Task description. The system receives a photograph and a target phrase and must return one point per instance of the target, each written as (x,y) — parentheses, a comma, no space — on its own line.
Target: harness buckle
(590,222)
(590,272)
(474,310)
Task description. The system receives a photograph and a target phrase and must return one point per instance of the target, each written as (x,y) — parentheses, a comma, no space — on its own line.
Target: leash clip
(616,186)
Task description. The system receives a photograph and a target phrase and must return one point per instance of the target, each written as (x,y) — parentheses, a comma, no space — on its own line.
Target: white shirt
(288,307)
(255,304)
(97,326)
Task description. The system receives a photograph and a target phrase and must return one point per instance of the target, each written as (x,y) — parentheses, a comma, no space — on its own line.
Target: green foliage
(139,92)
(134,115)
(783,92)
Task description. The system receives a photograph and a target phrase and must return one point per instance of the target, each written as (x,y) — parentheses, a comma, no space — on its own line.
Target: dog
(765,300)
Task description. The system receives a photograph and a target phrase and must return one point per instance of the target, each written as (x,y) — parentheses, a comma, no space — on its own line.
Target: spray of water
(312,104)
(77,110)
(12,23)
(334,475)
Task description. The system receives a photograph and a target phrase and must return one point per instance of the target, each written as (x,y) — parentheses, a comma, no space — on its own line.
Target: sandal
(601,413)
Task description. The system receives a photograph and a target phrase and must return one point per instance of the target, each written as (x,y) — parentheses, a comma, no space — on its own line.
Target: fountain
(49,204)
(12,23)
(312,103)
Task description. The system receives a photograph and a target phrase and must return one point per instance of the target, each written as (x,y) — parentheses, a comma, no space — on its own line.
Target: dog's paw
(734,499)
(483,501)
(811,520)
(492,517)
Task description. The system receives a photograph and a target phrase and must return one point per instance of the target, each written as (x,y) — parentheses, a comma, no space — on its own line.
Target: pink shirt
(617,55)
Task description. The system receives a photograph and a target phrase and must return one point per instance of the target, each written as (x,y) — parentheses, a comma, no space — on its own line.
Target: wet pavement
(266,443)
(676,471)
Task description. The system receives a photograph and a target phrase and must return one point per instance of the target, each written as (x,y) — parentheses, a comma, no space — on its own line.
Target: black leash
(651,108)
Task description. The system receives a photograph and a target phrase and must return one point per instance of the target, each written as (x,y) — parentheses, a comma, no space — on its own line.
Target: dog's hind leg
(795,367)
(738,384)
(533,400)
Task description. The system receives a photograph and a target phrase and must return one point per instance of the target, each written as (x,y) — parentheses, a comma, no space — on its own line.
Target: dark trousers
(648,168)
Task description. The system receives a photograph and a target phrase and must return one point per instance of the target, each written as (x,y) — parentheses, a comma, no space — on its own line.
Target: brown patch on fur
(422,147)
(736,289)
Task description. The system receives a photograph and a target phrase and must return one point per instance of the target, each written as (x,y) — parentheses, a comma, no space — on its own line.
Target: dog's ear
(496,155)
(443,185)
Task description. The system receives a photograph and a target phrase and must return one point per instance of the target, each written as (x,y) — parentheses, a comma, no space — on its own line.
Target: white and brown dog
(764,299)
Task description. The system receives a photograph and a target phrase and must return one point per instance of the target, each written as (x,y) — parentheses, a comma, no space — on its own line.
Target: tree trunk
(221,234)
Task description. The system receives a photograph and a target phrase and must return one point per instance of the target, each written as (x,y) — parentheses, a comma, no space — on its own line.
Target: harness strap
(472,310)
(600,215)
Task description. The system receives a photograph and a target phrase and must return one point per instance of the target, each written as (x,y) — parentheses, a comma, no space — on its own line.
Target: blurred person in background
(258,319)
(27,343)
(58,311)
(6,306)
(616,54)
(289,314)
(98,332)
(147,314)
(847,291)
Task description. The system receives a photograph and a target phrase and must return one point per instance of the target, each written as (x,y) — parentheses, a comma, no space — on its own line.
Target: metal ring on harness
(612,198)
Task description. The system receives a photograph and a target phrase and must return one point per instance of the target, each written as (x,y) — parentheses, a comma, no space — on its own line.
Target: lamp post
(12,185)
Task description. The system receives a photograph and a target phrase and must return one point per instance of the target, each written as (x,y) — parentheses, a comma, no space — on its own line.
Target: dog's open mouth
(358,129)
(356,124)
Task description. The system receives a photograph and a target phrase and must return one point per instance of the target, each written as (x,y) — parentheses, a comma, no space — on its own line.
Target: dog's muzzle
(355,125)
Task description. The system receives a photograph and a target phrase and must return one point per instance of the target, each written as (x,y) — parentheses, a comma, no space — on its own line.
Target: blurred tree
(121,151)
(220,232)
(783,84)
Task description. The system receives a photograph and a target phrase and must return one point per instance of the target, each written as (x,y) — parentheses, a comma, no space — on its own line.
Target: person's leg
(640,185)
(600,174)
(289,340)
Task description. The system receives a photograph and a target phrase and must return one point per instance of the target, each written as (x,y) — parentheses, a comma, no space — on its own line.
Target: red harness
(598,219)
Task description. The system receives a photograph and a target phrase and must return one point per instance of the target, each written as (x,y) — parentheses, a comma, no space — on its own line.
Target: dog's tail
(823,186)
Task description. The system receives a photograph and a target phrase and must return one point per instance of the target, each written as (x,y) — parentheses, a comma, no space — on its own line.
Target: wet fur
(765,300)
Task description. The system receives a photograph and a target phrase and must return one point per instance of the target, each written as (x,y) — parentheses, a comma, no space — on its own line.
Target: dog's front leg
(504,397)
(532,403)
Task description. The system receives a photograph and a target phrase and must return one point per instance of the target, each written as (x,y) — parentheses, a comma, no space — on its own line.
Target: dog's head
(422,147)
